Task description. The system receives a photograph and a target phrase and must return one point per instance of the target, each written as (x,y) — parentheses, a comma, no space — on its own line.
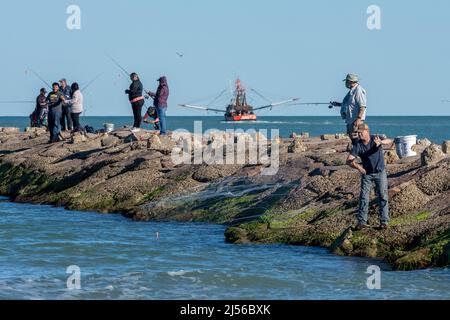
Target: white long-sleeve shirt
(76,102)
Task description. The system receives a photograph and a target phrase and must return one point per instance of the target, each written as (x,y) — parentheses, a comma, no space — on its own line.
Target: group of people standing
(60,109)
(157,112)
(62,106)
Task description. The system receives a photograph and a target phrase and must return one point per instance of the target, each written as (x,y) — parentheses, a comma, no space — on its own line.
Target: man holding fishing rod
(160,103)
(353,108)
(137,100)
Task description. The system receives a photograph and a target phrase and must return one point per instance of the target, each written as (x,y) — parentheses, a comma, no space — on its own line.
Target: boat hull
(244,117)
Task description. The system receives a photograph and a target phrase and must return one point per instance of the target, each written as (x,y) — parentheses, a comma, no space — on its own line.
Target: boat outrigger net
(240,106)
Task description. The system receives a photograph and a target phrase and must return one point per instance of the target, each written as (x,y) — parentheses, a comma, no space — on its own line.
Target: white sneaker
(135,130)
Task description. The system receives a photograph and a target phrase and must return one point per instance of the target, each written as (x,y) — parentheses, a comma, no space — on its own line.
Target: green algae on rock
(311,201)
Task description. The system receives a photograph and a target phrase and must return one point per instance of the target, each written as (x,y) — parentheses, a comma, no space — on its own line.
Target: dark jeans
(162,119)
(137,113)
(54,123)
(76,122)
(381,187)
(65,115)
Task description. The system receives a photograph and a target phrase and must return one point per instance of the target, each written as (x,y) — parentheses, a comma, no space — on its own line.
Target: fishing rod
(27,101)
(43,80)
(125,72)
(46,83)
(86,87)
(329,104)
(201,108)
(276,104)
(40,78)
(91,82)
(287,103)
(17,102)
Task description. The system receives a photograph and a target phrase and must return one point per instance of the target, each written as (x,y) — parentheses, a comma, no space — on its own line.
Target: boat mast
(240,93)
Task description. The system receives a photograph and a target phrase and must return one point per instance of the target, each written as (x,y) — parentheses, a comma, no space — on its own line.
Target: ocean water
(436,129)
(122,259)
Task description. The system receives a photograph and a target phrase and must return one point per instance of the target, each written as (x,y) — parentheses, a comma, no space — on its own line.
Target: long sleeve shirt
(76,102)
(41,102)
(136,89)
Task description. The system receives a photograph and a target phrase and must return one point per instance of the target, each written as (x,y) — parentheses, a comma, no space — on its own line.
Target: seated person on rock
(151,113)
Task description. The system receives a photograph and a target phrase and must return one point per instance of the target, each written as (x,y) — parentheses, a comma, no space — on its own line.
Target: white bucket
(404,146)
(109,127)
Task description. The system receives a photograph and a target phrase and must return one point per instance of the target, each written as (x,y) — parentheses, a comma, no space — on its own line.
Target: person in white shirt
(354,106)
(76,103)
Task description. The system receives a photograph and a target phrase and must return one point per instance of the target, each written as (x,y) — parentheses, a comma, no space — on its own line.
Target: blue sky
(289,48)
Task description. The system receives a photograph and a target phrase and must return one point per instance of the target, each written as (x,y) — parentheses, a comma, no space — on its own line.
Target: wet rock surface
(311,200)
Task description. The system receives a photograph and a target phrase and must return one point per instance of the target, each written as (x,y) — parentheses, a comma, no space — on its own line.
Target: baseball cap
(362,127)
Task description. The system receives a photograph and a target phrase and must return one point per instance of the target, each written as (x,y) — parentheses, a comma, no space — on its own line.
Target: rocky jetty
(311,200)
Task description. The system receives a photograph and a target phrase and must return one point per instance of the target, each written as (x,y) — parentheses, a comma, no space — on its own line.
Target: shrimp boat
(238,109)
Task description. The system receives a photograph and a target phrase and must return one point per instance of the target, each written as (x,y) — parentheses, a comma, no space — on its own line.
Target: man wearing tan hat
(373,170)
(353,108)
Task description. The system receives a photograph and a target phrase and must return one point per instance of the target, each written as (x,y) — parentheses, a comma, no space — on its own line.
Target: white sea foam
(182,272)
(177,273)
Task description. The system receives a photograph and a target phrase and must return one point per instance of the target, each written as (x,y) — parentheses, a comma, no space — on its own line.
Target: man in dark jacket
(136,99)
(65,115)
(55,110)
(160,103)
(41,110)
(373,170)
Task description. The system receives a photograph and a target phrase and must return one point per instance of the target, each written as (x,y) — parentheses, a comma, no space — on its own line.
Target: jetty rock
(297,146)
(311,199)
(10,130)
(432,155)
(446,147)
